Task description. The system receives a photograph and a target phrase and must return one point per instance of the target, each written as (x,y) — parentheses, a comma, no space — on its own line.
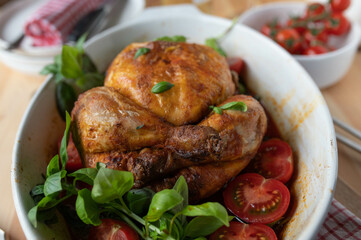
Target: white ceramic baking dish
(287,91)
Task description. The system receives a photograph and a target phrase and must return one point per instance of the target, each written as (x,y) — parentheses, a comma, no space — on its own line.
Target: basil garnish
(141,51)
(161,87)
(239,106)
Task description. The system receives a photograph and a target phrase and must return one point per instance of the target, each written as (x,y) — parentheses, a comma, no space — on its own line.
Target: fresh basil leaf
(161,87)
(164,225)
(89,81)
(64,141)
(181,187)
(163,201)
(79,44)
(71,63)
(141,51)
(86,175)
(239,106)
(202,226)
(50,202)
(176,38)
(139,127)
(216,109)
(138,200)
(88,65)
(32,216)
(52,184)
(65,98)
(47,216)
(87,210)
(212,209)
(111,184)
(37,190)
(49,69)
(58,61)
(53,166)
(100,165)
(213,43)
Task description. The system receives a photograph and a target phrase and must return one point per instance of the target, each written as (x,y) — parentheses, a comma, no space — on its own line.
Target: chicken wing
(201,78)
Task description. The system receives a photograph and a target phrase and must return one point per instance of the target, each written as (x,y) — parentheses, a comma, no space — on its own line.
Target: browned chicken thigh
(201,78)
(127,127)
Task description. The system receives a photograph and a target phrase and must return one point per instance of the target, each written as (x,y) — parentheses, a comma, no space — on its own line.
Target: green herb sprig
(176,38)
(161,87)
(141,51)
(73,72)
(239,106)
(215,41)
(162,215)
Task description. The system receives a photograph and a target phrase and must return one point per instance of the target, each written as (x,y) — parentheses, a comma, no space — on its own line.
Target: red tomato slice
(274,159)
(237,231)
(112,230)
(236,64)
(255,199)
(340,5)
(74,161)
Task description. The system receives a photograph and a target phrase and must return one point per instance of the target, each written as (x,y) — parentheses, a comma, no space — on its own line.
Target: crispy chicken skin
(201,78)
(232,135)
(127,127)
(203,180)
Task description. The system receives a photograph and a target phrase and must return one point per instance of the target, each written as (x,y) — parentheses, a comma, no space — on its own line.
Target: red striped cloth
(340,224)
(51,23)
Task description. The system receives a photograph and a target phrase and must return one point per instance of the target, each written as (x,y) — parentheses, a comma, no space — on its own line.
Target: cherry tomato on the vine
(270,29)
(289,39)
(315,34)
(338,24)
(238,230)
(298,23)
(339,5)
(316,12)
(315,50)
(255,199)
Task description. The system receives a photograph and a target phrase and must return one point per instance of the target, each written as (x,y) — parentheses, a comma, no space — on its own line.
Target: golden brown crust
(201,78)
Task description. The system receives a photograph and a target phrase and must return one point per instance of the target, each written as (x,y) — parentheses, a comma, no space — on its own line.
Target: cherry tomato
(338,24)
(315,34)
(315,12)
(339,5)
(289,39)
(236,64)
(315,50)
(238,230)
(270,29)
(74,161)
(274,159)
(298,23)
(112,230)
(255,199)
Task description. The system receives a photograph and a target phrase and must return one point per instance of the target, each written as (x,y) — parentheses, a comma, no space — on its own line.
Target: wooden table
(16,90)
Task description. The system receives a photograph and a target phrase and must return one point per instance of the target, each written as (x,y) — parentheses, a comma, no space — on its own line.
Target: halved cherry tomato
(337,24)
(315,34)
(315,12)
(74,161)
(238,230)
(255,199)
(315,50)
(112,230)
(274,160)
(289,39)
(236,64)
(339,5)
(298,23)
(270,29)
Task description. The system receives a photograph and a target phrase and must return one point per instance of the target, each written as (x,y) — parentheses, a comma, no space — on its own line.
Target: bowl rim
(326,200)
(354,34)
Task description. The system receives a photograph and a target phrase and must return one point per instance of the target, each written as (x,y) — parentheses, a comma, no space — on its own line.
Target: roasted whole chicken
(159,137)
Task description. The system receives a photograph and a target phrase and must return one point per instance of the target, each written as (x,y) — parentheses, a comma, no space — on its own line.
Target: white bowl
(289,95)
(325,69)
